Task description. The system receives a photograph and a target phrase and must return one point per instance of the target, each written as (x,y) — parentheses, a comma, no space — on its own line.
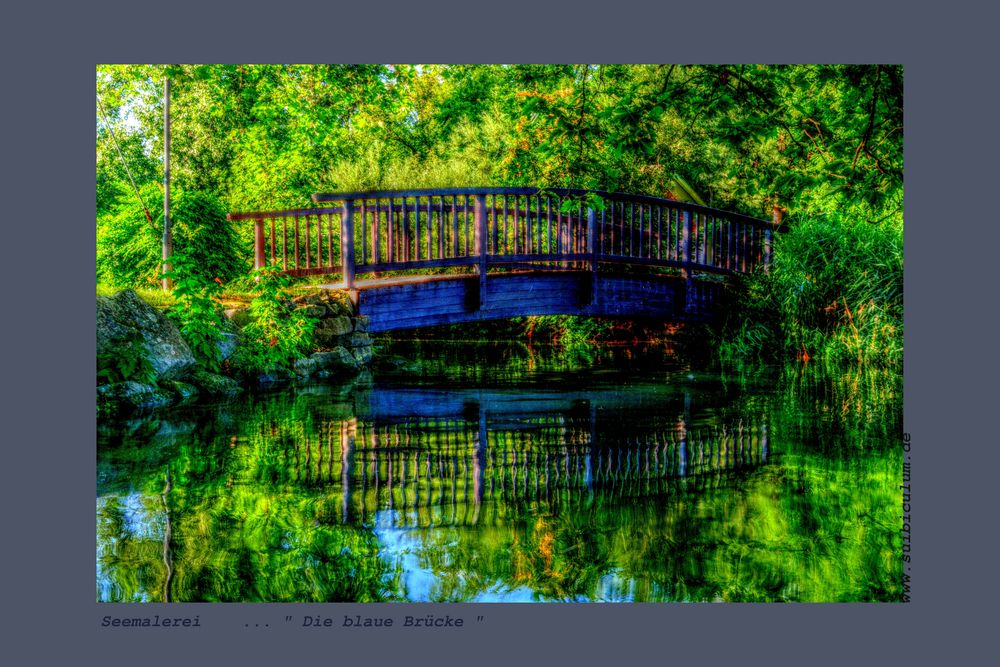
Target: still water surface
(494,472)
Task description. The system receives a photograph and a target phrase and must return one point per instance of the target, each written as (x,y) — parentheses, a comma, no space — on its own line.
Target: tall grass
(835,291)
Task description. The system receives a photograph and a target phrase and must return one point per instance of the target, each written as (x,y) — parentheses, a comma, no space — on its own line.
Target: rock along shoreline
(143,361)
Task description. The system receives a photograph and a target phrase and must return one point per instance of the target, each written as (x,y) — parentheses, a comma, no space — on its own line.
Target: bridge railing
(484,228)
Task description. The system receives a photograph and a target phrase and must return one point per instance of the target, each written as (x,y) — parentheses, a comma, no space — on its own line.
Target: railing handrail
(682,235)
(287,213)
(335,197)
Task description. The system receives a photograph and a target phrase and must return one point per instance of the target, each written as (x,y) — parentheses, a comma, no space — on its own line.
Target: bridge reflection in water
(458,469)
(630,482)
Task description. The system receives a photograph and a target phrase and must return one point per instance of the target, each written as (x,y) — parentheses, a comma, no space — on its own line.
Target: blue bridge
(419,258)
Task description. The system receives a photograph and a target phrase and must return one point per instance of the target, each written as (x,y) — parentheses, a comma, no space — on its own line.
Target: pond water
(497,472)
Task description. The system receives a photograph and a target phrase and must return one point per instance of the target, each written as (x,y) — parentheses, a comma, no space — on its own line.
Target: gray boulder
(213,385)
(363,355)
(134,395)
(125,318)
(328,330)
(305,367)
(336,361)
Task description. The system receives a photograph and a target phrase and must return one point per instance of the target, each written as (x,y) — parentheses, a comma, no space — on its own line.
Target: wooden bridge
(488,253)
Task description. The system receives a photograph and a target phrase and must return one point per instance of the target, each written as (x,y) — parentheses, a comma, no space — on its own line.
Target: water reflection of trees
(294,498)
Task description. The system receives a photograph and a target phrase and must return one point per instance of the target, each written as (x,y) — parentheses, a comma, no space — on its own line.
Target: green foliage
(129,362)
(201,231)
(196,311)
(839,283)
(129,247)
(256,505)
(569,331)
(154,296)
(808,137)
(752,327)
(835,291)
(822,142)
(278,333)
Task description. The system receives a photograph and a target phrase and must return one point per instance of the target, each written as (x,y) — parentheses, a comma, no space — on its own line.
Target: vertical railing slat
(284,244)
(517,210)
(640,229)
(441,244)
(390,232)
(454,224)
(319,240)
(296,242)
(405,221)
(274,240)
(538,220)
(505,241)
(659,232)
(468,248)
(308,242)
(376,223)
(496,226)
(430,229)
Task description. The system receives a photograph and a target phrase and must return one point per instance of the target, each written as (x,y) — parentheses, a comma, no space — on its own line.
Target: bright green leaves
(129,247)
(127,362)
(278,333)
(196,312)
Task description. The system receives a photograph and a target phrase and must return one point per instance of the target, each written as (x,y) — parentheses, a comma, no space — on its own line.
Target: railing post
(258,243)
(689,292)
(592,246)
(347,243)
(481,231)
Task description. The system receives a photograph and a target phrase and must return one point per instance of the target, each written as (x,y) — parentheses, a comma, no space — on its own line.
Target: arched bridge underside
(405,303)
(420,258)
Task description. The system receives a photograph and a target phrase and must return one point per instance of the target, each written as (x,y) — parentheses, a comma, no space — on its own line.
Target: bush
(278,333)
(835,291)
(129,248)
(128,362)
(196,311)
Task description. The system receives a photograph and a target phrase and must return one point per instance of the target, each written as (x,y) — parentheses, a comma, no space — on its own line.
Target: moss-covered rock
(130,395)
(338,360)
(214,385)
(181,392)
(125,318)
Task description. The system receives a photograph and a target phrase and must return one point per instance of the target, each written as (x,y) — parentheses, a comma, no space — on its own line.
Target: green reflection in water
(529,475)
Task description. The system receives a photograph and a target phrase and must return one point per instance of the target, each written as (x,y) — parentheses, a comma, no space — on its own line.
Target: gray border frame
(49,468)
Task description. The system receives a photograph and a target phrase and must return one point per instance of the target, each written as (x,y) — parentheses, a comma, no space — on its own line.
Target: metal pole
(168,245)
